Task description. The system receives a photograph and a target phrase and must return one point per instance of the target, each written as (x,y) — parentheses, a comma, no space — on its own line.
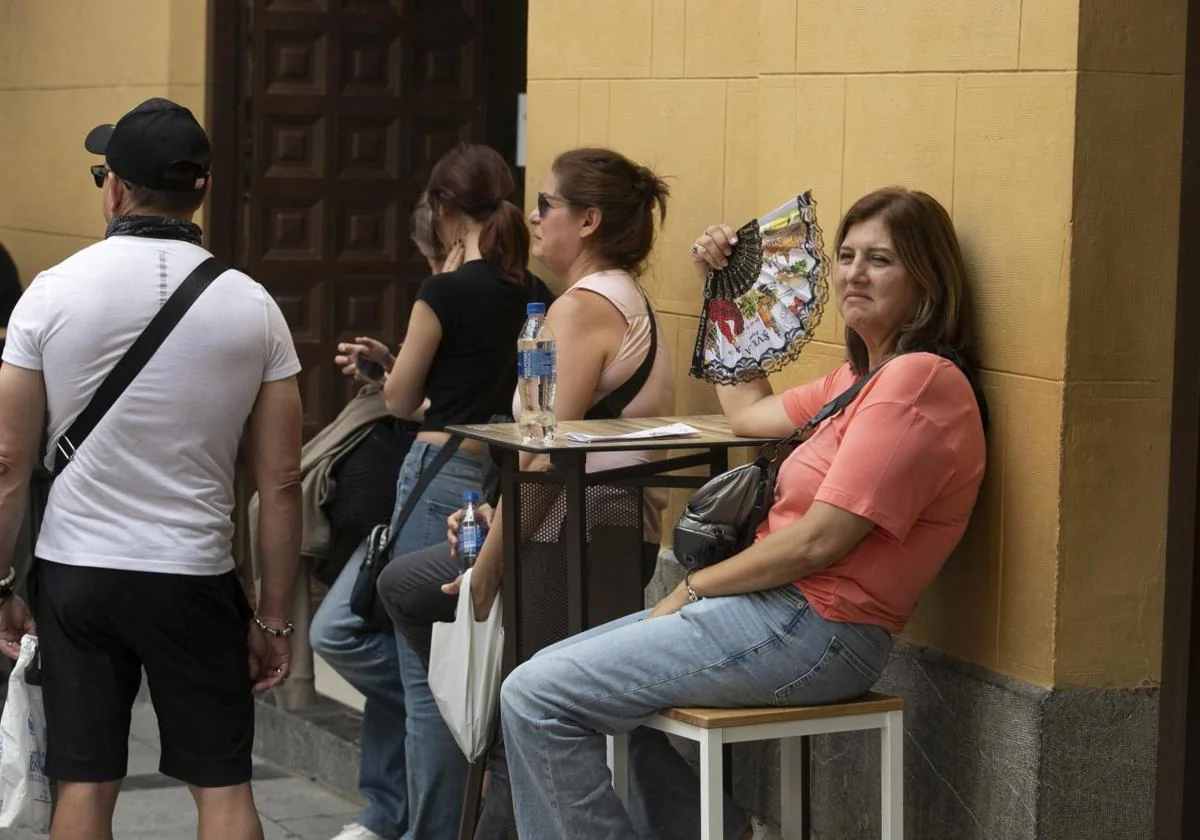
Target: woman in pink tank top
(593,228)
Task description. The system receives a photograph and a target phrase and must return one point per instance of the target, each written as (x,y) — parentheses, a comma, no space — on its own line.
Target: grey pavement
(154,806)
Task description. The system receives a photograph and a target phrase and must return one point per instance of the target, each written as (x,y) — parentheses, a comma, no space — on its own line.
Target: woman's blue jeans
(397,771)
(761,649)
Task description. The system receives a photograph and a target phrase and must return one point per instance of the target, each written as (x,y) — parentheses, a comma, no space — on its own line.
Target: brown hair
(423,234)
(624,192)
(474,180)
(925,242)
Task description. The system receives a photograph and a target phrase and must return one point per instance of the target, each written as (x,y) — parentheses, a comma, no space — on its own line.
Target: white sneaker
(759,830)
(354,831)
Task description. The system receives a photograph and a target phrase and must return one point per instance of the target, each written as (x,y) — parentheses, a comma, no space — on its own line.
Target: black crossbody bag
(364,598)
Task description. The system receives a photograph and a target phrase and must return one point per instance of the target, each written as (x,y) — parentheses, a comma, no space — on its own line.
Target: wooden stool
(714,728)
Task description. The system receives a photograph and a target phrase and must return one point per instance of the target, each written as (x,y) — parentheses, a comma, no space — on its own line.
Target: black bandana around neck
(154,227)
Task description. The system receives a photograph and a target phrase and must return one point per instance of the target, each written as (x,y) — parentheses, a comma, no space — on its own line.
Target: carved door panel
(350,103)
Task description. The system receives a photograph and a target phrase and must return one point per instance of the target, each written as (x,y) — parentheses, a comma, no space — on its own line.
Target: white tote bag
(464,672)
(24,788)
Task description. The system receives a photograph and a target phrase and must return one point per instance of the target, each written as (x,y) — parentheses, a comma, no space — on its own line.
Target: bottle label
(535,362)
(470,539)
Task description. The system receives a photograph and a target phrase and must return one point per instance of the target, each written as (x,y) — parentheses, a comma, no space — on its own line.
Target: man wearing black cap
(135,571)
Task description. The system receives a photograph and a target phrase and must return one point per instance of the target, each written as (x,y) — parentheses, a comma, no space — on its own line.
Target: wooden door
(346,105)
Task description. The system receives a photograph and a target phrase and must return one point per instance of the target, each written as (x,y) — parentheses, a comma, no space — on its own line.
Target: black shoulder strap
(835,406)
(838,404)
(135,358)
(614,402)
(410,504)
(950,355)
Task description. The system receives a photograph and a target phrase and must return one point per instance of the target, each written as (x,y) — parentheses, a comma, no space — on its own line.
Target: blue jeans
(761,649)
(372,663)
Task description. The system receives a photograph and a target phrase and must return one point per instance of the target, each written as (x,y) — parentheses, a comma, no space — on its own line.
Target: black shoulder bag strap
(614,402)
(838,404)
(771,454)
(835,406)
(410,504)
(831,409)
(135,358)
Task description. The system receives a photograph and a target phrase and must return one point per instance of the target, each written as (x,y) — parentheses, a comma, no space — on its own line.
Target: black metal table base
(590,599)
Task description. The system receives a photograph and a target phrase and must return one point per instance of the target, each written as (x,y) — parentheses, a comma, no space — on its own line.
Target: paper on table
(673,430)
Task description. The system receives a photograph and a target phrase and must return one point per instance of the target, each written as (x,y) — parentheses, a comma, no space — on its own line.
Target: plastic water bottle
(470,531)
(537,368)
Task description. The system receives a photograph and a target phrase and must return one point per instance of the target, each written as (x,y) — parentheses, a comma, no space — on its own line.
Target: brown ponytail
(474,180)
(504,241)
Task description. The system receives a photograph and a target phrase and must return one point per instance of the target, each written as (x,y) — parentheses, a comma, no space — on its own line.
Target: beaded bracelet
(288,628)
(8,584)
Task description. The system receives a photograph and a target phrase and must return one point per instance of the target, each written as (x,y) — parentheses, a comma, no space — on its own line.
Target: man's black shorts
(97,630)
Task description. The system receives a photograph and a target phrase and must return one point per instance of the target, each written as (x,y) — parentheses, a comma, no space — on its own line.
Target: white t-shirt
(151,489)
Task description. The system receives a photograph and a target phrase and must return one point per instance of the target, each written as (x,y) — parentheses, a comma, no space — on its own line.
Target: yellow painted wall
(66,66)
(1120,342)
(1051,131)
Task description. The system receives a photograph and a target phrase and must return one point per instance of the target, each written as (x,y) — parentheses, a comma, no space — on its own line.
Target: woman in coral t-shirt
(866,512)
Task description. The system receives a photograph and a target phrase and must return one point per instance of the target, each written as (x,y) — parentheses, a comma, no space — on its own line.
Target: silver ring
(695,249)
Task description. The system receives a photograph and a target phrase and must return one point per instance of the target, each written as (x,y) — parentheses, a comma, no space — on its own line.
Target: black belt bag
(722,517)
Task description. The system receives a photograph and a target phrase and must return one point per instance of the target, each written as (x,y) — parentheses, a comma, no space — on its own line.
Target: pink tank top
(657,397)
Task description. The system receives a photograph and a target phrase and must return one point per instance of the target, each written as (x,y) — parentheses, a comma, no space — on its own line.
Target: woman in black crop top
(457,363)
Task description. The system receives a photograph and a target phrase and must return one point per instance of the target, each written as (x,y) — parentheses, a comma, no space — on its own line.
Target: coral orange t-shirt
(907,454)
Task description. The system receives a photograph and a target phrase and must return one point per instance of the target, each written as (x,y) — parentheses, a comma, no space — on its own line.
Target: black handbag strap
(135,358)
(838,404)
(771,452)
(616,401)
(410,504)
(835,406)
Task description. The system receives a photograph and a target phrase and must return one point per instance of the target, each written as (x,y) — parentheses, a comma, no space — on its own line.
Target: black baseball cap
(158,145)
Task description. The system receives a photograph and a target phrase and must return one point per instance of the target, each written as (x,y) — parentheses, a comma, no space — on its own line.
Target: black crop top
(474,372)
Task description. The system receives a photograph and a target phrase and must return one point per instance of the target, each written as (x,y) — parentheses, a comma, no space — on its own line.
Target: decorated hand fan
(762,308)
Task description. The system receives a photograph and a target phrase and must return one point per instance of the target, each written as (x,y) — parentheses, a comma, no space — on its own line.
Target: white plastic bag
(24,788)
(464,672)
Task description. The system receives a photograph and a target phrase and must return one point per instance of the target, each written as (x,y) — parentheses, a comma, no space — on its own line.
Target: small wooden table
(570,484)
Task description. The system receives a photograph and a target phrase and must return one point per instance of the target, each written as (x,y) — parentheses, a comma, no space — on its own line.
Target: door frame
(1177,814)
(224,77)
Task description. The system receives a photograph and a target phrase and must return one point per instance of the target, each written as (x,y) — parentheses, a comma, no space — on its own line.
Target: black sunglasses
(99,173)
(546,200)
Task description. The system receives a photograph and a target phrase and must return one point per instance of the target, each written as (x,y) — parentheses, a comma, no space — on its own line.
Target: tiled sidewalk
(153,806)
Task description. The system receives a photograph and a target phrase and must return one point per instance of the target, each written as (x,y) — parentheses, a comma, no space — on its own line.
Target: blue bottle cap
(470,496)
(535,309)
